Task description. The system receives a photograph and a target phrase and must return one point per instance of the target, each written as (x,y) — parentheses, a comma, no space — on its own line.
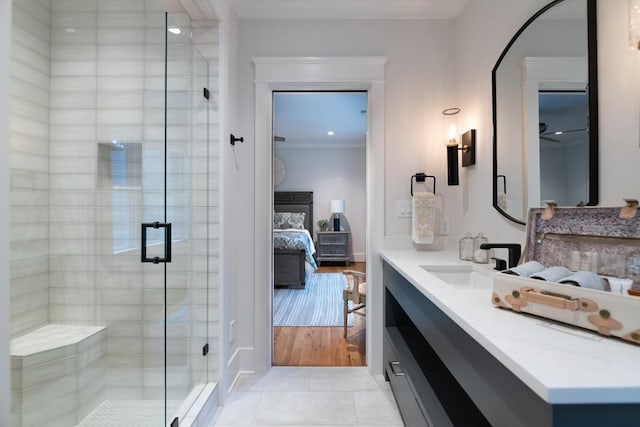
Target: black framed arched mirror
(545,112)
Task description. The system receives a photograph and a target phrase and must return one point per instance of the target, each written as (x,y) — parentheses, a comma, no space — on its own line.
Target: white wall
(5,43)
(619,97)
(232,261)
(331,173)
(418,81)
(619,86)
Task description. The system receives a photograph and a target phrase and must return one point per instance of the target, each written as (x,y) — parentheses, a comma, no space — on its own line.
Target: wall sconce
(336,207)
(468,146)
(634,24)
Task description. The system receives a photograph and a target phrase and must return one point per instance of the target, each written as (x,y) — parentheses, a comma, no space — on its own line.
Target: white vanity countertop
(560,363)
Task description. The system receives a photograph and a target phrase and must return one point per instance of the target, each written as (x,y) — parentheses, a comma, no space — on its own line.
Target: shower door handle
(167,242)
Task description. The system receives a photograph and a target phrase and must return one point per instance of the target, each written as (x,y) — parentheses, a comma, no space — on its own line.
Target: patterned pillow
(284,220)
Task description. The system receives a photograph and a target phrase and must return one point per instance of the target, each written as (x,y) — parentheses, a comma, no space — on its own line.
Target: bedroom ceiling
(348,9)
(305,119)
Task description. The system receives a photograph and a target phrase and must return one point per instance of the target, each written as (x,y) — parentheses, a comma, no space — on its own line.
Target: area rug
(318,304)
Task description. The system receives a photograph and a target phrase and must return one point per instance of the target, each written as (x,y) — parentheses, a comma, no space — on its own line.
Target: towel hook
(234,139)
(421,177)
(629,210)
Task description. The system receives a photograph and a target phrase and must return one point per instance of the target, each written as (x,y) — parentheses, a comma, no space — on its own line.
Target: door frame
(317,73)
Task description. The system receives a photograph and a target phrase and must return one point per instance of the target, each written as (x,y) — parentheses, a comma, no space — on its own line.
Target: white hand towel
(502,200)
(423,217)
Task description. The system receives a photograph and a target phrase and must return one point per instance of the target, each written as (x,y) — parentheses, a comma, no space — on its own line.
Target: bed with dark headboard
(291,266)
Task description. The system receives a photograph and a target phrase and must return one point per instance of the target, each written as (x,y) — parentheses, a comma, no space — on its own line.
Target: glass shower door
(175,227)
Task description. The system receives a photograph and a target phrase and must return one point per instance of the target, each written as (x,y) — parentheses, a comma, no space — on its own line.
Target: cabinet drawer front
(333,251)
(409,408)
(330,239)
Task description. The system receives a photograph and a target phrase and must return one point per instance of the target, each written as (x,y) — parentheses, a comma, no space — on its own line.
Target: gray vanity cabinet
(441,376)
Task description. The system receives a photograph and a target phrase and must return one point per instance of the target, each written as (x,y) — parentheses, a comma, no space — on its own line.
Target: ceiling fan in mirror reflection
(565,135)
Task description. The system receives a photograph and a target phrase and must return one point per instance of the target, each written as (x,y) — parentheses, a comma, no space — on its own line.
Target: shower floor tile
(139,413)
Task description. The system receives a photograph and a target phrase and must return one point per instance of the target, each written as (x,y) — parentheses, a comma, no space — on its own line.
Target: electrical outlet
(403,209)
(232,327)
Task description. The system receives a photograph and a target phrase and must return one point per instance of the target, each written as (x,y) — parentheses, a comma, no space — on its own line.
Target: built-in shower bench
(61,370)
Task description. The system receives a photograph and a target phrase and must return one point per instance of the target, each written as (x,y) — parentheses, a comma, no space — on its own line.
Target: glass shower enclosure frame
(110,315)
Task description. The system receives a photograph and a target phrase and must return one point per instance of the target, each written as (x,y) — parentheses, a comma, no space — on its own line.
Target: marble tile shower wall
(29,167)
(106,65)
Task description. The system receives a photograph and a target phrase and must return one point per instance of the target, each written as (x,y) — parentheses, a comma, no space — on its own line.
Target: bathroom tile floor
(309,396)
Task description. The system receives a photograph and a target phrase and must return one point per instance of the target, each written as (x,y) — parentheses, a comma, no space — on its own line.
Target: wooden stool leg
(346,314)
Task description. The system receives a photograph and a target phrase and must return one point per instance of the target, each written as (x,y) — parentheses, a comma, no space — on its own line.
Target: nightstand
(333,246)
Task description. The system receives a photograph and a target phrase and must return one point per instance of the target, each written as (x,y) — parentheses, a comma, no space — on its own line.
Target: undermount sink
(460,276)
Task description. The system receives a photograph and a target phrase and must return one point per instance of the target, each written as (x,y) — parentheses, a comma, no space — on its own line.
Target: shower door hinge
(205,349)
(205,92)
(175,422)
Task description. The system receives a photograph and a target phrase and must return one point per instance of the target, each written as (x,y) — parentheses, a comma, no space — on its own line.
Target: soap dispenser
(466,248)
(480,256)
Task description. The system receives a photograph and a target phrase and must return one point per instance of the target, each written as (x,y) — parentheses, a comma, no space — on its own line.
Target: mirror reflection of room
(564,147)
(547,65)
(319,149)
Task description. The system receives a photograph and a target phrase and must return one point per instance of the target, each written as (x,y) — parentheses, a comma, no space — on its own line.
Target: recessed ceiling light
(174,30)
(70,30)
(330,133)
(558,133)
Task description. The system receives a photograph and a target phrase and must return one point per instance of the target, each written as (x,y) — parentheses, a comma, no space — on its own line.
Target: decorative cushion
(284,220)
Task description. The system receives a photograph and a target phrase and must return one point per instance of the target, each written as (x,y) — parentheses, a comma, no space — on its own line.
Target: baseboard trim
(240,363)
(360,257)
(237,378)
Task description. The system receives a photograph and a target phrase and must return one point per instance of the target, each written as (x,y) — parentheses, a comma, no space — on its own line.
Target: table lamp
(336,207)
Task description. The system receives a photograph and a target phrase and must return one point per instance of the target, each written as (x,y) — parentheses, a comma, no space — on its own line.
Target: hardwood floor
(322,346)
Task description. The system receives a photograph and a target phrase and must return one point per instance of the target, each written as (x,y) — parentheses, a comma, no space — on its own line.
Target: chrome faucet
(513,248)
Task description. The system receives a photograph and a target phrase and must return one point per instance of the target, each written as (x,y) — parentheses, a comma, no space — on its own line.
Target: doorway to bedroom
(319,175)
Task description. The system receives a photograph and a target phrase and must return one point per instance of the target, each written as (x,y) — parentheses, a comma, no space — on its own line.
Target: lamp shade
(336,206)
(451,125)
